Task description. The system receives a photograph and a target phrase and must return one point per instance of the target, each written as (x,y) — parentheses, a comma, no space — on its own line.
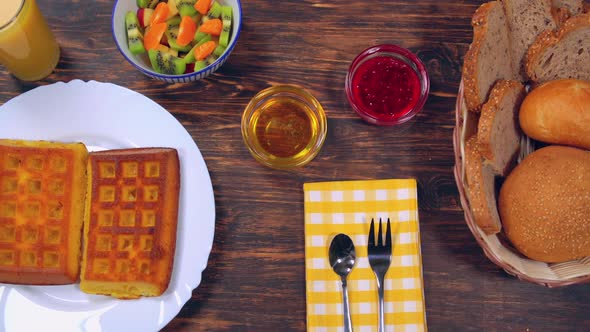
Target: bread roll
(558,112)
(544,204)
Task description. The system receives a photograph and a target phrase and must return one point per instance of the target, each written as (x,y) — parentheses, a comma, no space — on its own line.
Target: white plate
(106,116)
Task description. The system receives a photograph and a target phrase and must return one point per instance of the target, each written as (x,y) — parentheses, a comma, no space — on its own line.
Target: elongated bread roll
(558,112)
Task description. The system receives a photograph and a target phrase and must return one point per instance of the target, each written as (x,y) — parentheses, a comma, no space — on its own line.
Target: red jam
(387,88)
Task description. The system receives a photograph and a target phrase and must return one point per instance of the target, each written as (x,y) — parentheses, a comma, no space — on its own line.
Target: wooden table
(255,277)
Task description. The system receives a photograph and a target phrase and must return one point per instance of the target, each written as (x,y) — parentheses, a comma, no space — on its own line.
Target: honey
(284,126)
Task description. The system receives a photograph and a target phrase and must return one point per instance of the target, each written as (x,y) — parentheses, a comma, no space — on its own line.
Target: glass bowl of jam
(387,85)
(284,127)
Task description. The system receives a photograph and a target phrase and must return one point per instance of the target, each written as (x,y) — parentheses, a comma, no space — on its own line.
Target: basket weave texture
(496,247)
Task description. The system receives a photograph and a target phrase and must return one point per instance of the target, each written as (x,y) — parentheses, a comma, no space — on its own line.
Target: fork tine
(380,239)
(371,242)
(388,235)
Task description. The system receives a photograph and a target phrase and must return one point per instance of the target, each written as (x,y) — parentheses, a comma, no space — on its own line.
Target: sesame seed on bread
(489,56)
(526,19)
(545,204)
(481,188)
(564,9)
(564,53)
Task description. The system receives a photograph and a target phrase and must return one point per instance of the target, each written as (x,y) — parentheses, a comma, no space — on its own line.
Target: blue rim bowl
(121,7)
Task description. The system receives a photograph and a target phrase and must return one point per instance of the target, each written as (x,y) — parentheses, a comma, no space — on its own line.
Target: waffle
(42,190)
(130,222)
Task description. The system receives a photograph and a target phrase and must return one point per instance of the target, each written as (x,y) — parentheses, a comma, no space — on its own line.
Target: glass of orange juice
(28,48)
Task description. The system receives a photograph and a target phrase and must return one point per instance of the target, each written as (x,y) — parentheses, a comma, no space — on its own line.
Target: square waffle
(42,190)
(131,218)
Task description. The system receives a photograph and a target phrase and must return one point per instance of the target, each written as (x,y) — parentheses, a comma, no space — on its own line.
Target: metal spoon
(342,258)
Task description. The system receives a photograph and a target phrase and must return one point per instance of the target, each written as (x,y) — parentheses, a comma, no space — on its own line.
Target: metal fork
(380,259)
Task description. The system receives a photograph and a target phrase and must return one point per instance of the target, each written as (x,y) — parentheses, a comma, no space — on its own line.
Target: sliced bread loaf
(481,190)
(575,7)
(564,53)
(498,130)
(526,20)
(564,9)
(489,55)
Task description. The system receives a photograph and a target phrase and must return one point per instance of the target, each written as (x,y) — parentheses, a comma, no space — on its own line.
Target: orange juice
(28,48)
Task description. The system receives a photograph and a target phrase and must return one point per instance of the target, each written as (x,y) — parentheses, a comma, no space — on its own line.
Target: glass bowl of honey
(387,85)
(284,126)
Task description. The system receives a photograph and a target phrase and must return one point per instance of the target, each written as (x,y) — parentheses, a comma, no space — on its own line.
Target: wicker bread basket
(496,247)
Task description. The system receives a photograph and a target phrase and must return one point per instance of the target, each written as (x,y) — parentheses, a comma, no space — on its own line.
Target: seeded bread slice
(526,20)
(575,7)
(498,130)
(564,9)
(481,190)
(489,56)
(561,54)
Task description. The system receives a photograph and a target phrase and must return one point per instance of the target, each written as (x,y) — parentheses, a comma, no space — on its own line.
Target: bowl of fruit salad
(176,40)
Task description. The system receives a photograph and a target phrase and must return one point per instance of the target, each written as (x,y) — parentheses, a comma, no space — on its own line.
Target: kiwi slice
(174,45)
(172,52)
(226,16)
(168,50)
(214,12)
(186,8)
(142,3)
(200,65)
(190,56)
(174,22)
(204,40)
(172,35)
(199,35)
(218,51)
(210,59)
(165,63)
(134,36)
(147,3)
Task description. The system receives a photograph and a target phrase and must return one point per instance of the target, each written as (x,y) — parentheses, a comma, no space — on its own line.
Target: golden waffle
(130,226)
(42,190)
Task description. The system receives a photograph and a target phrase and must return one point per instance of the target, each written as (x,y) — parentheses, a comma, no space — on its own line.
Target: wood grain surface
(255,278)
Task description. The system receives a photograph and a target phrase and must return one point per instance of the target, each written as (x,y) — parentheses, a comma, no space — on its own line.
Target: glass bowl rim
(397,52)
(284,162)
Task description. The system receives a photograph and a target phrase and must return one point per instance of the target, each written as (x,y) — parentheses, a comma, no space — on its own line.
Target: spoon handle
(347,321)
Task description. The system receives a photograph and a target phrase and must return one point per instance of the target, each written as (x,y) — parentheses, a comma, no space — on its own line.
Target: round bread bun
(544,205)
(558,112)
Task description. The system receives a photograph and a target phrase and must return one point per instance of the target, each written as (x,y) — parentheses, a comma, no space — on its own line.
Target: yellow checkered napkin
(347,207)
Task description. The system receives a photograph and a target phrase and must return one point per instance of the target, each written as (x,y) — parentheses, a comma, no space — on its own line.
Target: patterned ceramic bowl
(142,63)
